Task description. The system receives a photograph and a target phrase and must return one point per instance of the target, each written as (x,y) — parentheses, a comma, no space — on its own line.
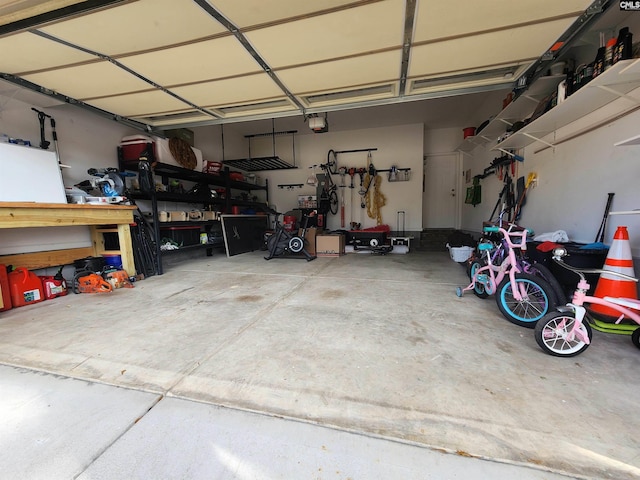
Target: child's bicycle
(522,298)
(498,250)
(564,333)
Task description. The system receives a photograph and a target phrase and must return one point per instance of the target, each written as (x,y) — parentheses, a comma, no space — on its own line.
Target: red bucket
(289,223)
(469,131)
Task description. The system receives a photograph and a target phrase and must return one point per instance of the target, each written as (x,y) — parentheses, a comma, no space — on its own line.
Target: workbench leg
(126,250)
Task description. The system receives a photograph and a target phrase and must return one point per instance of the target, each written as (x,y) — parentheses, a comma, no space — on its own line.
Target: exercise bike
(285,244)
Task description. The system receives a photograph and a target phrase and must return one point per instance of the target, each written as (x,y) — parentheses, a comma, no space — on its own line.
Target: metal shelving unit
(167,172)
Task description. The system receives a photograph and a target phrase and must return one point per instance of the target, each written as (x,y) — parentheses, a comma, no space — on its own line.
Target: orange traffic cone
(618,260)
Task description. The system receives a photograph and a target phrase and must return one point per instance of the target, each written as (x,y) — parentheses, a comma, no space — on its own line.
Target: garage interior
(375,348)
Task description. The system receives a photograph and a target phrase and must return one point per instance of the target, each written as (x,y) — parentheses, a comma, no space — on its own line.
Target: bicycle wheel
(635,337)
(536,303)
(333,202)
(543,272)
(552,334)
(479,288)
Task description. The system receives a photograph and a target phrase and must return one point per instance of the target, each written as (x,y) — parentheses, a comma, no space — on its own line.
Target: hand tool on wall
(603,224)
(362,192)
(522,193)
(352,172)
(44,144)
(342,171)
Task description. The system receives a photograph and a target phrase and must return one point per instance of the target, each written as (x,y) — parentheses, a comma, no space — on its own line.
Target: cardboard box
(330,245)
(177,216)
(210,215)
(310,237)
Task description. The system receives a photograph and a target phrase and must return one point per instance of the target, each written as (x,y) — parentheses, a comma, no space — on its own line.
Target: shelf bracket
(619,94)
(538,140)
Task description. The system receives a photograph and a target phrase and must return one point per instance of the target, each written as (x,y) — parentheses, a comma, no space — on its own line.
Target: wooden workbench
(100,218)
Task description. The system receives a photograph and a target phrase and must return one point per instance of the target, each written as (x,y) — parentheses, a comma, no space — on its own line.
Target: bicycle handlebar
(579,271)
(508,234)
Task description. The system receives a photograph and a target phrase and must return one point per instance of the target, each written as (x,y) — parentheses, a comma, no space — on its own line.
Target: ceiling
(171,63)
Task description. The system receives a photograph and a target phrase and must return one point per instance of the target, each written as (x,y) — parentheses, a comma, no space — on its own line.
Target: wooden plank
(20,215)
(51,258)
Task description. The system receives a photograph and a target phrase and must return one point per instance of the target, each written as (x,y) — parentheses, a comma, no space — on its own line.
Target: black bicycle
(329,197)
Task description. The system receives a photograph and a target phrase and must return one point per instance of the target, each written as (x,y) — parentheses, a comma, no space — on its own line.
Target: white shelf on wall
(626,212)
(618,81)
(518,110)
(629,141)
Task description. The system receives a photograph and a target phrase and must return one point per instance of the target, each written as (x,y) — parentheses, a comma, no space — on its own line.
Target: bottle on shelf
(624,45)
(598,63)
(608,53)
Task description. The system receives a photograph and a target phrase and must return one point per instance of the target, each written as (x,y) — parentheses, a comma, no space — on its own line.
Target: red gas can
(53,286)
(25,286)
(5,292)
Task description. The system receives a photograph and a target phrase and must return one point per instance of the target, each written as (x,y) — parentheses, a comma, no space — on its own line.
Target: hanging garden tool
(44,144)
(352,172)
(523,187)
(362,192)
(342,171)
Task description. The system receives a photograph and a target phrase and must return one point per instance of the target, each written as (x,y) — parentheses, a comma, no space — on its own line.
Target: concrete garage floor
(354,367)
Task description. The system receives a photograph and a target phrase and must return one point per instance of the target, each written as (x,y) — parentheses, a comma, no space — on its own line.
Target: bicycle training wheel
(553,335)
(537,301)
(333,202)
(479,288)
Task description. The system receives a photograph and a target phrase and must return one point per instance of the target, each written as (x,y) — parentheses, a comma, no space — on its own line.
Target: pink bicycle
(564,333)
(522,298)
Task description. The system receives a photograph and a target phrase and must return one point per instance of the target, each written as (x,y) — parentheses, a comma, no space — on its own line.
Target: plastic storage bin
(577,257)
(460,254)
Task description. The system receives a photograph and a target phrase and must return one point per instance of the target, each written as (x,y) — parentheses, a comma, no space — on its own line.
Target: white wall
(85,140)
(574,180)
(401,146)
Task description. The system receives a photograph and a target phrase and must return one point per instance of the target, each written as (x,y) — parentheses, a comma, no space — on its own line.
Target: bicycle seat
(485,246)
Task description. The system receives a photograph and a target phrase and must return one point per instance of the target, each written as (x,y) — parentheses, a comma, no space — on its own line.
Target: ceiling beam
(79,8)
(409,18)
(249,48)
(72,101)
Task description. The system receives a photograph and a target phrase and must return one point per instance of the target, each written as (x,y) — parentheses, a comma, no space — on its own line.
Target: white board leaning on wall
(29,174)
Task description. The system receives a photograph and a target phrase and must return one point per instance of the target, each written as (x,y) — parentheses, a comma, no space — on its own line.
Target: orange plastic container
(25,286)
(5,292)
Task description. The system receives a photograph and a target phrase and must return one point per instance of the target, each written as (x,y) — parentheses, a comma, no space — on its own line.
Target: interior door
(440,191)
